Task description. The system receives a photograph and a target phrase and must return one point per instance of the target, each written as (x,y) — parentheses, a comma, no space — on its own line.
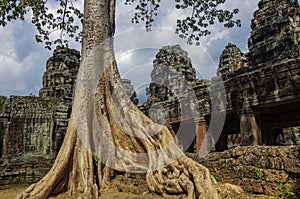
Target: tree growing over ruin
(106,131)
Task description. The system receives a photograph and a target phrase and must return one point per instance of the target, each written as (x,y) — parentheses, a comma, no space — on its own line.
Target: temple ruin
(262,86)
(262,89)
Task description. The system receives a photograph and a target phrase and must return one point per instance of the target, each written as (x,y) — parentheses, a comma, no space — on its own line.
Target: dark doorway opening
(186,134)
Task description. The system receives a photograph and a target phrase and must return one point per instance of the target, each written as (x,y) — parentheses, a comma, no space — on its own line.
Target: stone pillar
(201,132)
(250,131)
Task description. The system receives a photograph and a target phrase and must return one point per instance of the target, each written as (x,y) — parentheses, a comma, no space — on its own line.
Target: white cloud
(223,34)
(9,66)
(22,60)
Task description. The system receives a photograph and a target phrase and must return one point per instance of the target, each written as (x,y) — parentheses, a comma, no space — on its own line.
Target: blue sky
(22,60)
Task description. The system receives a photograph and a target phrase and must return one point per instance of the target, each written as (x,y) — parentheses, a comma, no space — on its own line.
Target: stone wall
(28,168)
(35,126)
(29,124)
(258,169)
(262,86)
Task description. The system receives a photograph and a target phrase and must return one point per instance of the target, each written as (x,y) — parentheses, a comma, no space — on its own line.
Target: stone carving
(172,80)
(231,60)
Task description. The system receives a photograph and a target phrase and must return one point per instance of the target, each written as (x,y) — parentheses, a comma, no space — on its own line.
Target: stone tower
(231,60)
(172,69)
(61,70)
(275,32)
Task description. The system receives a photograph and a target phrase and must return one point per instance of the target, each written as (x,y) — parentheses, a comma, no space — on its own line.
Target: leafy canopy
(46,22)
(203,13)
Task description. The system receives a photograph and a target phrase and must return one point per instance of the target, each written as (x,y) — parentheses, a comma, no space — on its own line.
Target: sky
(23,61)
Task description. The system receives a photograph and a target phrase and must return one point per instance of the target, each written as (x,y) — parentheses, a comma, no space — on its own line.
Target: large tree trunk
(107,131)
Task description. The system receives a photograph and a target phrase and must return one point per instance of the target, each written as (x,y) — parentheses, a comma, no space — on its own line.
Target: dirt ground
(131,188)
(11,191)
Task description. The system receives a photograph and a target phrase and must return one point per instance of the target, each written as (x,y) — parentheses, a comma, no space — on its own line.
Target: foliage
(136,183)
(148,92)
(259,174)
(120,188)
(45,21)
(284,192)
(226,170)
(145,169)
(96,158)
(113,175)
(204,13)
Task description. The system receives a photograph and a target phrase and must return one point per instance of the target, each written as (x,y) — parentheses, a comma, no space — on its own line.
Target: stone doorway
(281,124)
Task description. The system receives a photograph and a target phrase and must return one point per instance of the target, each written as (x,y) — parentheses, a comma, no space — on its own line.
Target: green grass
(259,175)
(283,192)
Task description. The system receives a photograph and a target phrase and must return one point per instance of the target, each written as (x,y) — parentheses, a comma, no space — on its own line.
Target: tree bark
(108,132)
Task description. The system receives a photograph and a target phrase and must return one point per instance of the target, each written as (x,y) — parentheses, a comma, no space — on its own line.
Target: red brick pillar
(201,131)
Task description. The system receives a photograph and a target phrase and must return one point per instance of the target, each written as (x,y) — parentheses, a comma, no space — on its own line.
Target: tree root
(184,176)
